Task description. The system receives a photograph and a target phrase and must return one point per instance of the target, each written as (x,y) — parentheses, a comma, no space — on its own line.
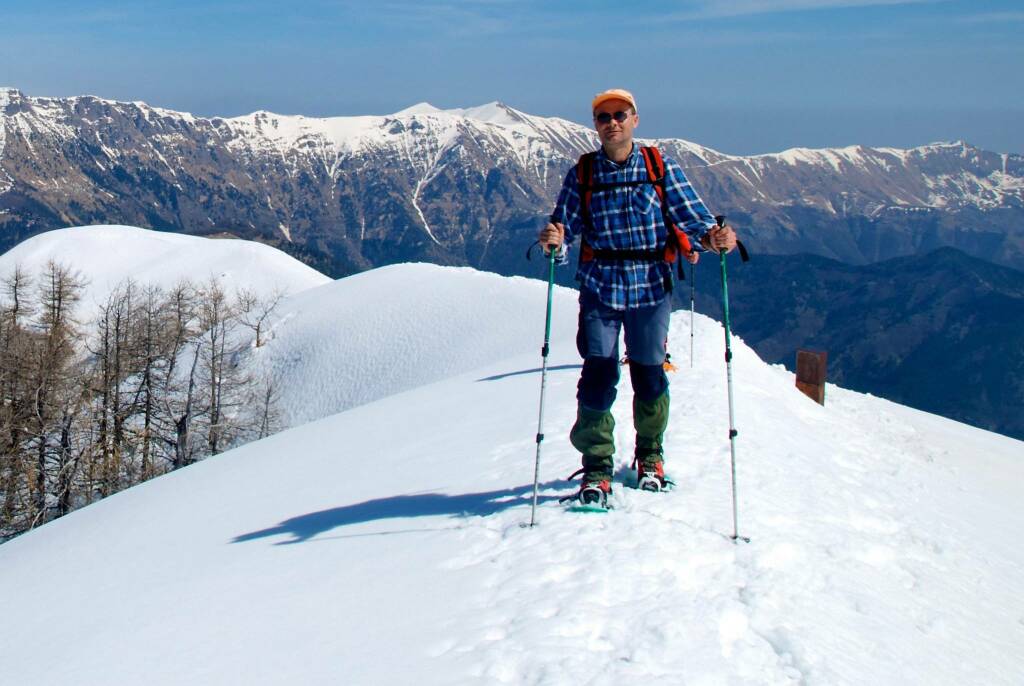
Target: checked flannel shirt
(629,218)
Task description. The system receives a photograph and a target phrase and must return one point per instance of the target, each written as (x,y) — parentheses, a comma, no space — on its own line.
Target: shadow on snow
(555,368)
(307,526)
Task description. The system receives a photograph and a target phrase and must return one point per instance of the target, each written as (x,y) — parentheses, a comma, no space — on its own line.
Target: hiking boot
(650,474)
(593,491)
(649,419)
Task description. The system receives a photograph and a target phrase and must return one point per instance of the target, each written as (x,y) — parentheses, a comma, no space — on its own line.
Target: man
(625,283)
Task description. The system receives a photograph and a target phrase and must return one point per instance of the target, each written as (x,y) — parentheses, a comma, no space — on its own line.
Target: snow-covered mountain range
(463,186)
(384,544)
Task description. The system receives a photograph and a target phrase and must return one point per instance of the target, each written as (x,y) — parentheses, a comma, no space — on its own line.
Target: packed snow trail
(830,591)
(384,545)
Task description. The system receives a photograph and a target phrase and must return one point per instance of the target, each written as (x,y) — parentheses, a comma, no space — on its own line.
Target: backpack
(677,242)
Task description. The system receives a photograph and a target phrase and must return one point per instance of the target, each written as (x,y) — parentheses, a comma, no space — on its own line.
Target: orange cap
(613,94)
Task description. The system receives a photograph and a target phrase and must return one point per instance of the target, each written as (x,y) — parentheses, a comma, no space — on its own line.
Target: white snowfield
(385,544)
(374,334)
(105,256)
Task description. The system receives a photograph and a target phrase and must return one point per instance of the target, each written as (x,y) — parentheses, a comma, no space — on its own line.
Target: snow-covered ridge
(495,318)
(339,129)
(343,131)
(105,256)
(433,160)
(383,545)
(530,135)
(859,154)
(355,133)
(5,99)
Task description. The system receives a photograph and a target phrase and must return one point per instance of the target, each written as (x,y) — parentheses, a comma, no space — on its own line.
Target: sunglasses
(606,118)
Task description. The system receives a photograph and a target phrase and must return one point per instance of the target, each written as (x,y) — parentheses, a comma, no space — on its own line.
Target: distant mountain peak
(419,108)
(493,113)
(7,95)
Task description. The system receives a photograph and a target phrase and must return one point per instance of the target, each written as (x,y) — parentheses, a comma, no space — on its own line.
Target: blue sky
(745,76)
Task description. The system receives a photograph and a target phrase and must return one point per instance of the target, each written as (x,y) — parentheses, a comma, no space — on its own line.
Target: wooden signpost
(810,374)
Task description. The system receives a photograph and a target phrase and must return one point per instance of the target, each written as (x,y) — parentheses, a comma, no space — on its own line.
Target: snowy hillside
(391,329)
(383,545)
(107,255)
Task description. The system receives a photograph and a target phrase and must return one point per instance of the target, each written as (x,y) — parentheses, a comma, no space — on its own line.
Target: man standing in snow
(612,201)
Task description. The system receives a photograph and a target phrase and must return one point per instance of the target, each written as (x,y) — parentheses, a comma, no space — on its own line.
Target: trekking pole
(720,220)
(543,381)
(693,287)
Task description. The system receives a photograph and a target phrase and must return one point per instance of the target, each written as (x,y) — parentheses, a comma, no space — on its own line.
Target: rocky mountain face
(942,331)
(938,331)
(463,186)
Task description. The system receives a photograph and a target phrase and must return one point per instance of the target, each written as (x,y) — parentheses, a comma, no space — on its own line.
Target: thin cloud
(993,17)
(478,18)
(709,9)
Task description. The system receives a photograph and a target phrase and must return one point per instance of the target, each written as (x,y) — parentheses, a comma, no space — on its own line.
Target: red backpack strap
(585,179)
(655,172)
(678,240)
(655,167)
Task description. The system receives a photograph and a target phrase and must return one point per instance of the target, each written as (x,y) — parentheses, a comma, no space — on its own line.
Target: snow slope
(383,545)
(396,328)
(107,255)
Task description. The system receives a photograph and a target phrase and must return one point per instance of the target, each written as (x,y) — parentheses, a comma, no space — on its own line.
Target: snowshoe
(650,476)
(592,496)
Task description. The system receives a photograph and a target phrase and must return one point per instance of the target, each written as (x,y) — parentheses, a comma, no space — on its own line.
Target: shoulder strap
(655,167)
(585,169)
(585,180)
(678,241)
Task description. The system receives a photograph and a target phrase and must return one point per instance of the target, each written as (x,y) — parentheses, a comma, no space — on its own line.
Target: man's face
(615,132)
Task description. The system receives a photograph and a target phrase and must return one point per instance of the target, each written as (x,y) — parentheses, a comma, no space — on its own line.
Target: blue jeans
(597,340)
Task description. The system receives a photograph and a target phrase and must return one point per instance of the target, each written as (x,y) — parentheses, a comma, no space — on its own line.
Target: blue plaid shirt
(629,218)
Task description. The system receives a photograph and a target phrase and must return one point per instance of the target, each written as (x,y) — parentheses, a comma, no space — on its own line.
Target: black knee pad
(596,388)
(649,380)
